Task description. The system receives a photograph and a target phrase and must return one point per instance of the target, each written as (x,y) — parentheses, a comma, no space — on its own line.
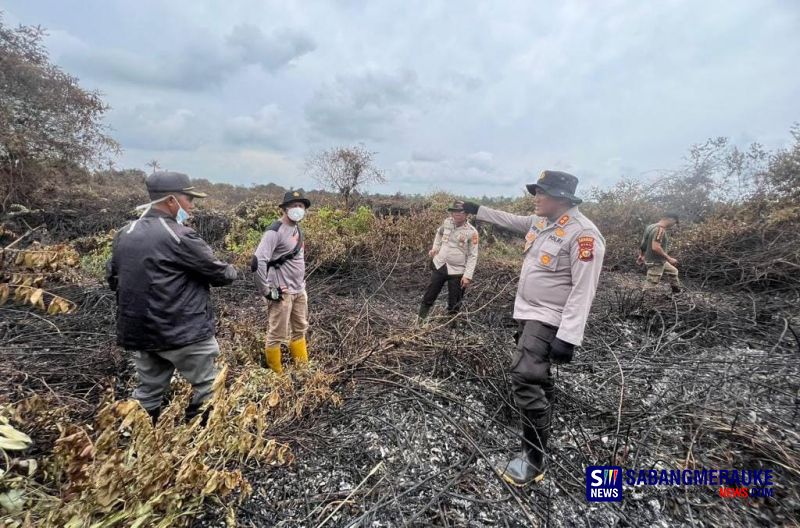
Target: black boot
(530,463)
(424,310)
(193,409)
(154,414)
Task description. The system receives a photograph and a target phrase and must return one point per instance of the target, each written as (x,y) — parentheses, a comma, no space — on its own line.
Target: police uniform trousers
(455,293)
(531,380)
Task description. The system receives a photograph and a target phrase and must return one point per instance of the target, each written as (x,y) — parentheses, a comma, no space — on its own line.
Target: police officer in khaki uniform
(455,254)
(561,266)
(653,253)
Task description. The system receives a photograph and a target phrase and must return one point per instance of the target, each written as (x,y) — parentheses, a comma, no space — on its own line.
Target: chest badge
(560,232)
(545,259)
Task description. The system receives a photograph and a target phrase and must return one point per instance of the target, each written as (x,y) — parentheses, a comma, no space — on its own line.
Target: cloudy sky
(470,97)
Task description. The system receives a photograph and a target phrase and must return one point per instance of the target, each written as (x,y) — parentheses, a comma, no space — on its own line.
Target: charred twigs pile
(757,256)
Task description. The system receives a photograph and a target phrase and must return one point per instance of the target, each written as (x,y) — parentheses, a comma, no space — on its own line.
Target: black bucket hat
(295,196)
(556,184)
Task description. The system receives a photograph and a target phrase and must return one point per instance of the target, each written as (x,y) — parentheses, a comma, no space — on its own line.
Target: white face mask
(296,214)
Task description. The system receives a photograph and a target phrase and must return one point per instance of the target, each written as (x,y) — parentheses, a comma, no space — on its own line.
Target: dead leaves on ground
(28,291)
(124,472)
(30,268)
(51,258)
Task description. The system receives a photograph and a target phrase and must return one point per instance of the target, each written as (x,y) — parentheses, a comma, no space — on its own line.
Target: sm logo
(604,484)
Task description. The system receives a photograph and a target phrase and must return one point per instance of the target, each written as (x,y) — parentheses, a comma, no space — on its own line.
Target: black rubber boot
(154,414)
(193,409)
(424,310)
(530,463)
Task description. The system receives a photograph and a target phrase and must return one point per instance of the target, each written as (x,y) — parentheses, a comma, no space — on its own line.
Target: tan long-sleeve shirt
(457,247)
(560,269)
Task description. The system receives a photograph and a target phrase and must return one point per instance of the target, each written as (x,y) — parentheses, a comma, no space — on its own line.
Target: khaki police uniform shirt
(560,270)
(457,248)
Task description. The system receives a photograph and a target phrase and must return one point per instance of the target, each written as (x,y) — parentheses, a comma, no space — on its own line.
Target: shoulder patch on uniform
(585,248)
(659,234)
(563,220)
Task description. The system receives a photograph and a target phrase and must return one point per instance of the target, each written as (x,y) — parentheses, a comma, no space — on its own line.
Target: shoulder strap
(280,261)
(275,226)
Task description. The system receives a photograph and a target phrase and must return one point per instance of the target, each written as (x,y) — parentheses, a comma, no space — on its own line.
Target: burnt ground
(700,380)
(705,379)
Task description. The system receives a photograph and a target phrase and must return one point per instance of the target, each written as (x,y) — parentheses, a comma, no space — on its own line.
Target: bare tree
(345,170)
(154,165)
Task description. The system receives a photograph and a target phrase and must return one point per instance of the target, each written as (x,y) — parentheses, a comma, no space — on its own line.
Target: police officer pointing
(561,266)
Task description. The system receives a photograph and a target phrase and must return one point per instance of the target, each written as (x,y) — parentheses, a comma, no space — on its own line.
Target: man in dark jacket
(162,271)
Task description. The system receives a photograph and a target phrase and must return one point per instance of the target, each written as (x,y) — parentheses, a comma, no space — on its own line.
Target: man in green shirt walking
(653,253)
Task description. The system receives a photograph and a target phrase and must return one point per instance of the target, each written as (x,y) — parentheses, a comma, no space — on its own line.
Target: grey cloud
(159,127)
(272,51)
(427,156)
(267,127)
(473,169)
(203,61)
(369,105)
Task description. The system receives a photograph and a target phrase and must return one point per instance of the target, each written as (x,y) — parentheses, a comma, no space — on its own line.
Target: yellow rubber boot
(273,357)
(299,351)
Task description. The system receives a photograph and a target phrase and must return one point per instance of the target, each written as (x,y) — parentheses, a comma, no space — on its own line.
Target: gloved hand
(561,351)
(470,207)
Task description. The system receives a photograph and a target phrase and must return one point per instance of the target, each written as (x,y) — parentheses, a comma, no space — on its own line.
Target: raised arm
(512,222)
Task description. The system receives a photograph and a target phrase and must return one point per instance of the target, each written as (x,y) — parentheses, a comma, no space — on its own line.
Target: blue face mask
(182,215)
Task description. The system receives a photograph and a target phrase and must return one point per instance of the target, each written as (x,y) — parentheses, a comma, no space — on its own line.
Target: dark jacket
(162,272)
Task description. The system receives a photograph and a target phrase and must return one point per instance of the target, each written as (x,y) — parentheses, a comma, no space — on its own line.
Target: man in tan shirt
(455,254)
(561,266)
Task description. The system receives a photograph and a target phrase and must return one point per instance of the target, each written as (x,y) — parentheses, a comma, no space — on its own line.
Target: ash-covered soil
(699,380)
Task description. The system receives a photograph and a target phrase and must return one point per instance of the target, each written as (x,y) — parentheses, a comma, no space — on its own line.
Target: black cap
(457,207)
(168,181)
(295,196)
(556,184)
